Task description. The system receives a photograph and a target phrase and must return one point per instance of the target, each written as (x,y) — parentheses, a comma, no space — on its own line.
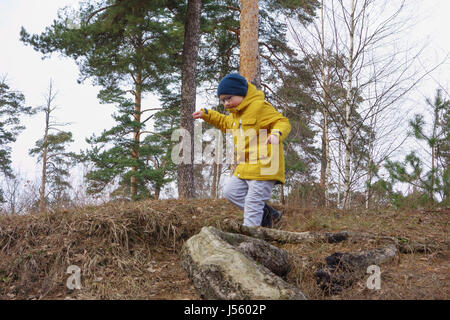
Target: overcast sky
(28,73)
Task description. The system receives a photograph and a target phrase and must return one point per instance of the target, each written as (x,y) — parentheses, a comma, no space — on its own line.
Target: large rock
(344,269)
(233,266)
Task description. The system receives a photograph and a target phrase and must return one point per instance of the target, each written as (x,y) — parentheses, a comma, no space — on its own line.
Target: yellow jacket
(251,122)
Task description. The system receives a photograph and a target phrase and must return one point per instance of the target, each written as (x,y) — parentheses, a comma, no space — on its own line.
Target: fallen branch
(403,245)
(282,236)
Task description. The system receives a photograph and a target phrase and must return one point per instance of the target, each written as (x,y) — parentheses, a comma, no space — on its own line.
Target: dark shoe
(276,215)
(270,217)
(267,218)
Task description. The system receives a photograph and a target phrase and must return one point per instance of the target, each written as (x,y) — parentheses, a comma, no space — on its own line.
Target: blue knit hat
(233,84)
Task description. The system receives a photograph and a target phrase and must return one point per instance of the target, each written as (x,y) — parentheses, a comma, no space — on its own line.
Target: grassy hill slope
(131,250)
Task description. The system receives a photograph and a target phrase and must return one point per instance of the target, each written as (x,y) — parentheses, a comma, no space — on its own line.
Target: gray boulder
(232,266)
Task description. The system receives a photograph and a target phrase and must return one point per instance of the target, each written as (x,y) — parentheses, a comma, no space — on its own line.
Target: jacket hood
(253,94)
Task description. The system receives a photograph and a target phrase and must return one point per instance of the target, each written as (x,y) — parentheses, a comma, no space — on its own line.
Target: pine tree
(129,48)
(186,187)
(132,48)
(51,151)
(437,136)
(12,109)
(56,162)
(159,165)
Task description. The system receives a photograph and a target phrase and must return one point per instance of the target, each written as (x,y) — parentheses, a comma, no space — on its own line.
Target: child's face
(230,101)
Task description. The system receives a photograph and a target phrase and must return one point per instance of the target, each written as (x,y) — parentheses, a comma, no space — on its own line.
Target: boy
(258,130)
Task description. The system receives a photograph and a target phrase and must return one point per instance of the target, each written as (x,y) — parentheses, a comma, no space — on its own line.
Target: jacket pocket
(248,126)
(249,122)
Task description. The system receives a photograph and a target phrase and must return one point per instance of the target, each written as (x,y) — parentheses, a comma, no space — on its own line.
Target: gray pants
(250,195)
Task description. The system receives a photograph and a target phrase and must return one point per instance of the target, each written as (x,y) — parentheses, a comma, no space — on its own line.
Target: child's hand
(273,139)
(198,114)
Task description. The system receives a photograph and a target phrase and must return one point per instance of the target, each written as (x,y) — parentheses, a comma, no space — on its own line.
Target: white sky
(29,74)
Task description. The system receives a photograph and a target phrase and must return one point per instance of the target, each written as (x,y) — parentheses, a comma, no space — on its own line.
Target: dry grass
(124,250)
(131,250)
(410,276)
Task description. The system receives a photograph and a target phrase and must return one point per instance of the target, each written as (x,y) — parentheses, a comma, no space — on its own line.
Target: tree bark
(157,192)
(249,62)
(186,187)
(348,109)
(284,236)
(136,136)
(339,183)
(325,160)
(42,203)
(370,162)
(48,109)
(433,152)
(249,49)
(217,171)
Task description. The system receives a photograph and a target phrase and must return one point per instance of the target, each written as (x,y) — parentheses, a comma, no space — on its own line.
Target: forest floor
(131,250)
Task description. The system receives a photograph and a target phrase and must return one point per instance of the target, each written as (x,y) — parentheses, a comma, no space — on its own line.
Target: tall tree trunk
(368,193)
(249,63)
(136,135)
(370,161)
(42,203)
(157,192)
(186,187)
(47,111)
(325,161)
(214,182)
(339,189)
(348,109)
(249,50)
(217,171)
(433,152)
